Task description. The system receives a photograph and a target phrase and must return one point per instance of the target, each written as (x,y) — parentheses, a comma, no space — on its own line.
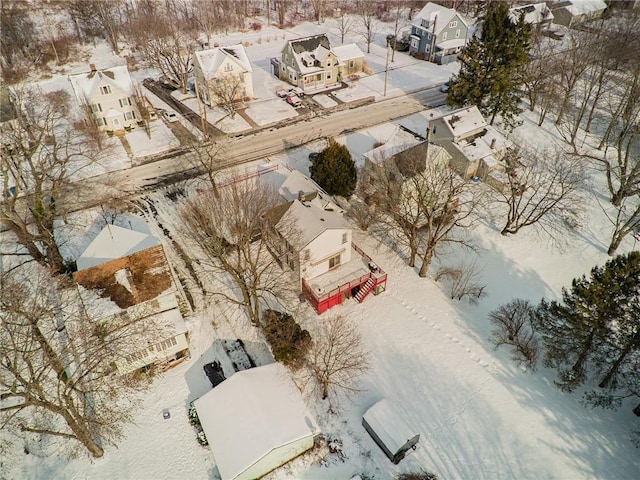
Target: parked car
(294,100)
(313,156)
(281,92)
(444,87)
(170,116)
(296,91)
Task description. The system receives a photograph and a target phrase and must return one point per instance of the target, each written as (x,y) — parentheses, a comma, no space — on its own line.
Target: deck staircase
(365,290)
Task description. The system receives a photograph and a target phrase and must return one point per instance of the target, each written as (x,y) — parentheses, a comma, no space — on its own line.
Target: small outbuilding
(389,430)
(255,421)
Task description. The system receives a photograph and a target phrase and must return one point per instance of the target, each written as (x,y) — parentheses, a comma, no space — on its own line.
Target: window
(306,255)
(105,89)
(453,24)
(328,75)
(125,102)
(334,261)
(414,43)
(129,115)
(458,33)
(228,67)
(116,122)
(444,36)
(100,121)
(96,107)
(344,237)
(352,63)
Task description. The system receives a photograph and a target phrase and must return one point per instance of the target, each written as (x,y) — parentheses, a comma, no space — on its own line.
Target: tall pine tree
(594,333)
(334,170)
(493,67)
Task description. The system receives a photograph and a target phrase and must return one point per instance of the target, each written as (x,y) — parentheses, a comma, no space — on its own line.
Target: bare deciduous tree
(231,233)
(56,362)
(368,23)
(336,359)
(423,208)
(542,189)
(43,153)
(144,107)
(228,92)
(164,46)
(463,281)
(513,322)
(208,157)
(344,21)
(626,221)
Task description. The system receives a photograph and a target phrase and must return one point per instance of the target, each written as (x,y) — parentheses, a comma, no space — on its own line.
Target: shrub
(289,343)
(514,327)
(334,170)
(417,476)
(256,26)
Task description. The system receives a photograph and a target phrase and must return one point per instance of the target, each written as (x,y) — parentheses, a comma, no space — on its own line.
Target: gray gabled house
(438,34)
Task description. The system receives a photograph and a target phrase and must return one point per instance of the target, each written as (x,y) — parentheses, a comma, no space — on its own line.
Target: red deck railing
(336,296)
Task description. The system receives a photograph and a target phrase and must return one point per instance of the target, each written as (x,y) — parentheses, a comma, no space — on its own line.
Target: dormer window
(228,67)
(105,89)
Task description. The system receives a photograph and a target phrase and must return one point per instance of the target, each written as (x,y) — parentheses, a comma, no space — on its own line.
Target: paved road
(250,147)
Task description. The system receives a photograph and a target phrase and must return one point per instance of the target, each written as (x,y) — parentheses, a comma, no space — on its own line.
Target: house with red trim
(312,238)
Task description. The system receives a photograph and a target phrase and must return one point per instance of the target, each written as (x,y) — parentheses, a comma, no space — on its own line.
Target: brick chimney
(92,67)
(493,143)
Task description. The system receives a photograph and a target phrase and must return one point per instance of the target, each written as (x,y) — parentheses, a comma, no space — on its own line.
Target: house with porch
(438,34)
(129,266)
(310,63)
(312,238)
(109,95)
(223,74)
(476,148)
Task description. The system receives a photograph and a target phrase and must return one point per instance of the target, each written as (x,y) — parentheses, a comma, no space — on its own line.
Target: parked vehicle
(296,91)
(444,87)
(294,100)
(313,156)
(170,116)
(281,92)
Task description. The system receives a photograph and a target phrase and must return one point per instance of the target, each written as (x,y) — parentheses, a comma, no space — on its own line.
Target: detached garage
(255,421)
(389,430)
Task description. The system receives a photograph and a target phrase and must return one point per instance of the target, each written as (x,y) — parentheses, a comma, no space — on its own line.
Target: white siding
(326,245)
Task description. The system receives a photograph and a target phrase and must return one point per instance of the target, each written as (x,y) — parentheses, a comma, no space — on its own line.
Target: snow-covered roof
(534,13)
(484,146)
(309,49)
(432,10)
(250,414)
(399,141)
(309,221)
(85,84)
(114,242)
(211,60)
(453,43)
(464,121)
(389,426)
(583,7)
(348,52)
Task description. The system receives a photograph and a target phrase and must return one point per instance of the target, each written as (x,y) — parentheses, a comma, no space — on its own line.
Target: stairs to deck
(365,290)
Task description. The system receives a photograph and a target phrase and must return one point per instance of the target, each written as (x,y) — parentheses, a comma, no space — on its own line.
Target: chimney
(92,67)
(493,143)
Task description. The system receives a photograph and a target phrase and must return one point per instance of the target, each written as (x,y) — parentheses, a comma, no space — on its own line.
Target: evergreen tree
(493,66)
(595,328)
(334,170)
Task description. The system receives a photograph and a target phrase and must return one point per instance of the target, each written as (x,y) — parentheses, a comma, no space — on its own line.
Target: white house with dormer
(109,93)
(313,239)
(225,68)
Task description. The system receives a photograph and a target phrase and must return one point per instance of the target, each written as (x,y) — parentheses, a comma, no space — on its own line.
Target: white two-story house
(109,93)
(314,240)
(223,74)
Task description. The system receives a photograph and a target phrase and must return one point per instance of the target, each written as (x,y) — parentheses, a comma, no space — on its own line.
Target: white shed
(389,430)
(255,421)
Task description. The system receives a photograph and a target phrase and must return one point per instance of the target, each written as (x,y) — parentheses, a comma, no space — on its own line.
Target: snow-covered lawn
(161,140)
(269,111)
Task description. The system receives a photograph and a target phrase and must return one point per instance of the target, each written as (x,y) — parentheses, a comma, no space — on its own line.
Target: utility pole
(386,70)
(201,108)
